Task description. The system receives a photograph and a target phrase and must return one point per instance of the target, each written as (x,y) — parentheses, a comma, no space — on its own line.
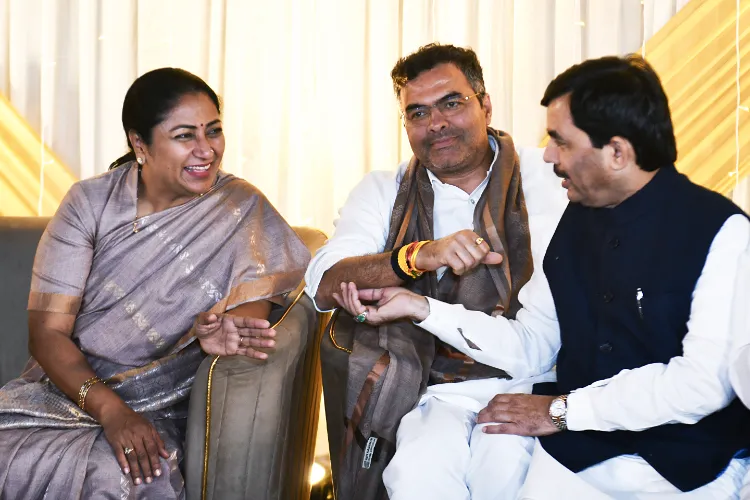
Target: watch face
(557,409)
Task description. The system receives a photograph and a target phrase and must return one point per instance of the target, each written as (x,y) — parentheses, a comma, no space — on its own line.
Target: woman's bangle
(85,389)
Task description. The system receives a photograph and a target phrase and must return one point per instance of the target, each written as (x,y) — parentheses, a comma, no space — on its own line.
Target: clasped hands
(227,335)
(519,414)
(461,252)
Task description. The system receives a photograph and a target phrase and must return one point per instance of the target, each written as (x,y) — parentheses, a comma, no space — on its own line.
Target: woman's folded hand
(136,443)
(227,335)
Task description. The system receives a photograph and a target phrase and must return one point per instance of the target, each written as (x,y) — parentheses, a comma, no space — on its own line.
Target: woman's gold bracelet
(85,389)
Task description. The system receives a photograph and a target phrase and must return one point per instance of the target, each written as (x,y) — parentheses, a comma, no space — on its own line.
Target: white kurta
(363,229)
(684,390)
(364,220)
(739,370)
(364,224)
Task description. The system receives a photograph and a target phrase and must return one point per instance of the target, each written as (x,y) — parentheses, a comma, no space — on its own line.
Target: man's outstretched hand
(384,304)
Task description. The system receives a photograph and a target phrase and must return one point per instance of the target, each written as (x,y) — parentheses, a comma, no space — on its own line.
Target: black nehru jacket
(622,280)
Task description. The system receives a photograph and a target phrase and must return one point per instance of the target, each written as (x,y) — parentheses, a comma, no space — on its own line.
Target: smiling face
(186,149)
(447,145)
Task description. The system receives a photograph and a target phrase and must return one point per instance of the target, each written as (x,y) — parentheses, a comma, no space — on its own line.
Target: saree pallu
(135,296)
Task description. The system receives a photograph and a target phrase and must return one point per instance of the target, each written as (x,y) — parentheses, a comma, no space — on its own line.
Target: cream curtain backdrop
(308,103)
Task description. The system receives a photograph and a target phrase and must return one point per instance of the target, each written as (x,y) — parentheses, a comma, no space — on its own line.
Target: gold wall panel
(694,54)
(20,160)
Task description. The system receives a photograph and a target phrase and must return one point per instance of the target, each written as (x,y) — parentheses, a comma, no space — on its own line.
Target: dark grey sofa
(263,416)
(18,239)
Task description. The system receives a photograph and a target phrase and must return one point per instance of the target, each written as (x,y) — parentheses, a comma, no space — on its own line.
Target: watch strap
(560,421)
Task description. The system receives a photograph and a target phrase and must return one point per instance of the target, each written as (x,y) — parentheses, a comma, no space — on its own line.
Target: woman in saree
(141,272)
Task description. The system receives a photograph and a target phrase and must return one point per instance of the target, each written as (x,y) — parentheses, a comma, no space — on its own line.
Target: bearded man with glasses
(454,223)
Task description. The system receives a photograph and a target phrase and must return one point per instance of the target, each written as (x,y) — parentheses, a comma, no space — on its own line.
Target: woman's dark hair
(152,97)
(620,96)
(428,56)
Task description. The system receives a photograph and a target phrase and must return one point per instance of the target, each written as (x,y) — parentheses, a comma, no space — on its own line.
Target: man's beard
(457,154)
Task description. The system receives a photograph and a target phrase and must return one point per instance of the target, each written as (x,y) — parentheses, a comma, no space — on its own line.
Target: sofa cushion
(19,237)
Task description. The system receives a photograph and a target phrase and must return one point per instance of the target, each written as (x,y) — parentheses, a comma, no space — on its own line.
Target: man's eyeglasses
(449,106)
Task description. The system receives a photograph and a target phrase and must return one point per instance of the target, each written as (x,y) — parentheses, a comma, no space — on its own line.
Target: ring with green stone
(361,317)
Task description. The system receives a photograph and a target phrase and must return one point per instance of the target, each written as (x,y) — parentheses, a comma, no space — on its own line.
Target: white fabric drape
(308,103)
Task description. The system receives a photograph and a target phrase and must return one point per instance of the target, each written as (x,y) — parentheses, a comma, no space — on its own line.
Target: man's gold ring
(479,241)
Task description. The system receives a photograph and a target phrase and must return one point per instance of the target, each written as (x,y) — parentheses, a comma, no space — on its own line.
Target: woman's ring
(127,450)
(361,317)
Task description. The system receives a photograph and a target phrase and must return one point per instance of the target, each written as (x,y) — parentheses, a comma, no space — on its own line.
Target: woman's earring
(139,160)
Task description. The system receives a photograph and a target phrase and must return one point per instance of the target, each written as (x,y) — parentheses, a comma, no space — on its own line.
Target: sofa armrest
(263,417)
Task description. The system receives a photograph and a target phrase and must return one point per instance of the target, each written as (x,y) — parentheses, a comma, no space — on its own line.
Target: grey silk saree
(135,296)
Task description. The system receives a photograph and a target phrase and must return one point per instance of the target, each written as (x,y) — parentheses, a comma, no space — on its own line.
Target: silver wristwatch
(558,412)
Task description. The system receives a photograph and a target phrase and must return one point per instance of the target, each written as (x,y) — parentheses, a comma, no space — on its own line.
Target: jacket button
(614,243)
(606,347)
(607,297)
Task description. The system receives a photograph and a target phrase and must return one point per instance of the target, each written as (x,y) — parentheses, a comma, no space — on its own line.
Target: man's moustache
(440,136)
(558,173)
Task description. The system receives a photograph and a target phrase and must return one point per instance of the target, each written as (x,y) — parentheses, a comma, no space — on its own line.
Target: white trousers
(621,478)
(745,492)
(442,454)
